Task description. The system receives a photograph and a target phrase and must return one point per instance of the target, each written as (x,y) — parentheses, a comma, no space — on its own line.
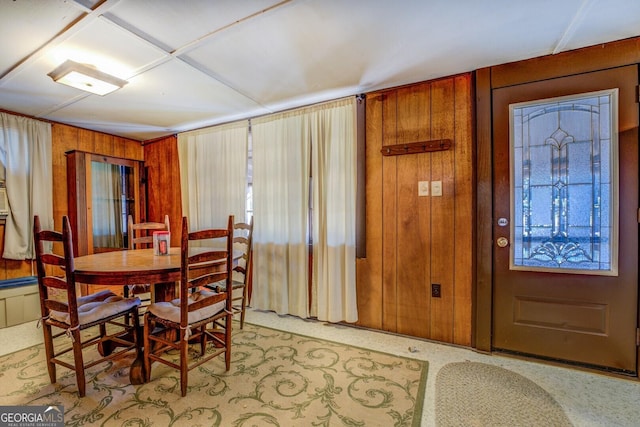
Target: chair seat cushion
(170,310)
(98,296)
(221,287)
(94,307)
(139,289)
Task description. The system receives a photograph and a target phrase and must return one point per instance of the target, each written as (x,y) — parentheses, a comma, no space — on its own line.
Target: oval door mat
(477,394)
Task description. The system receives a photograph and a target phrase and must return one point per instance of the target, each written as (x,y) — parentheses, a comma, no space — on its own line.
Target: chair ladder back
(197,264)
(244,240)
(141,234)
(48,262)
(201,271)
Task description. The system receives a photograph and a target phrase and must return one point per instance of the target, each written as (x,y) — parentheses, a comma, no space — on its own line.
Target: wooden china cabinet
(102,192)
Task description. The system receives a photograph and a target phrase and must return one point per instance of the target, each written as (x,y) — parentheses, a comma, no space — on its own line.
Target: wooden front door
(565,274)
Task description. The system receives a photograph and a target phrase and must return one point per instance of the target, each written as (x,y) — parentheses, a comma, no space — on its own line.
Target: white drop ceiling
(195,63)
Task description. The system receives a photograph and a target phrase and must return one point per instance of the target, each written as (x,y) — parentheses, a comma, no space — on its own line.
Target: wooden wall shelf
(416,147)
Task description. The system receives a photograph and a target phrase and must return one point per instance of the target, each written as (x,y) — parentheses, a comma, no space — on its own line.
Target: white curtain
(213,174)
(25,154)
(280,213)
(333,134)
(107,215)
(288,148)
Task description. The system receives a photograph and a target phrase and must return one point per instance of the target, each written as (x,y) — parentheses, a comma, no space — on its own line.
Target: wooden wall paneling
(413,113)
(63,138)
(103,144)
(464,210)
(411,254)
(369,270)
(130,149)
(413,214)
(162,170)
(151,162)
(86,140)
(120,147)
(17,268)
(484,221)
(11,268)
(389,221)
(169,200)
(424,215)
(442,211)
(422,240)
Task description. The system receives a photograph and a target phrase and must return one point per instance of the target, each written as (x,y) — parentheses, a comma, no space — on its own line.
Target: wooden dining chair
(242,271)
(62,308)
(140,237)
(174,324)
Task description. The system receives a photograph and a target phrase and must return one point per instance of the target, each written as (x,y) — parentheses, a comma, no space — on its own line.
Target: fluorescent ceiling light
(86,77)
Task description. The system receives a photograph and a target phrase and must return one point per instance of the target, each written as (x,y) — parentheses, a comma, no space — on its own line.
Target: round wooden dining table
(130,267)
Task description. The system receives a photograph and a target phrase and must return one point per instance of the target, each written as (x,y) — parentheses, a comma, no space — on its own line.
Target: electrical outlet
(435,290)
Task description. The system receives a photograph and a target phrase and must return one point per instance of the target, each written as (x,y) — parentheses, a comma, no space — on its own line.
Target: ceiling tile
(27,25)
(594,24)
(108,47)
(157,19)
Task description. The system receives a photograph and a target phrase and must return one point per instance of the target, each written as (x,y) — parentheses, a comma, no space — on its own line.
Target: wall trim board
(579,61)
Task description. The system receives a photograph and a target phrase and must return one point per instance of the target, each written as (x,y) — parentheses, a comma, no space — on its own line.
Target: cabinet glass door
(112,201)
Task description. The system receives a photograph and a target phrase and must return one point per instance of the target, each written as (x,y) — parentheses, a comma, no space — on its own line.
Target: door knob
(502,242)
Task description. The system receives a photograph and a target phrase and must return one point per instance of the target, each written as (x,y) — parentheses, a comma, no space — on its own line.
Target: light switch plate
(436,188)
(423,188)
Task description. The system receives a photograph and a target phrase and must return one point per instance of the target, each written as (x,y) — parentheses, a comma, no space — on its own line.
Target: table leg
(136,372)
(165,291)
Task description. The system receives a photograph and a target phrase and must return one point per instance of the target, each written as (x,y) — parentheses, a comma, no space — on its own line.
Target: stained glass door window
(564,184)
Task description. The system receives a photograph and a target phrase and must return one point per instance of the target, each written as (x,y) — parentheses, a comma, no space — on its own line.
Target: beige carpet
(474,394)
(276,379)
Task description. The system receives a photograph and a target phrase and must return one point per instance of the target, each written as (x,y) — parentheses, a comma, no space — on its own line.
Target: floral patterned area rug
(276,379)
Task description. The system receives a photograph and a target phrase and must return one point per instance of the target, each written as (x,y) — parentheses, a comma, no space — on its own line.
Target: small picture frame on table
(161,242)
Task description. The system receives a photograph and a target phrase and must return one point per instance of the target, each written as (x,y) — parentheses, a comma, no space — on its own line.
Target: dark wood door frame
(614,54)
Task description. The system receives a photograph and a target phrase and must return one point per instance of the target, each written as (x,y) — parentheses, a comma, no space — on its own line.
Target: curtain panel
(288,149)
(26,157)
(333,165)
(281,159)
(213,174)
